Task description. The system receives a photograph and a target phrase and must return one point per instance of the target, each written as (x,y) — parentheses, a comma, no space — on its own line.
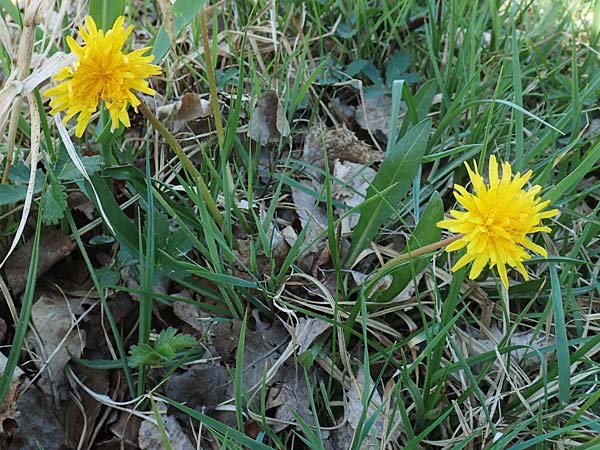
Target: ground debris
(189,107)
(268,122)
(150,437)
(55,344)
(54,246)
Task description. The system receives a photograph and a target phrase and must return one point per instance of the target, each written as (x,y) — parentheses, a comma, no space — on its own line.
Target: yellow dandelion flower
(101,72)
(496,221)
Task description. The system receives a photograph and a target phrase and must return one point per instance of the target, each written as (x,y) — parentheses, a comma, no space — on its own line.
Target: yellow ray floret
(102,72)
(496,220)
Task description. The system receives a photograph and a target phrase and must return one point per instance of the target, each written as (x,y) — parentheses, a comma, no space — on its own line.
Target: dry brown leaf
(355,407)
(268,122)
(264,263)
(190,314)
(150,437)
(76,423)
(54,246)
(351,183)
(54,344)
(262,348)
(375,114)
(36,422)
(189,387)
(78,201)
(307,331)
(289,397)
(338,143)
(8,410)
(312,217)
(188,108)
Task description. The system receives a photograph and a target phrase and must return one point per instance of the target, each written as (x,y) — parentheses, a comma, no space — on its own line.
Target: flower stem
(212,84)
(185,161)
(392,263)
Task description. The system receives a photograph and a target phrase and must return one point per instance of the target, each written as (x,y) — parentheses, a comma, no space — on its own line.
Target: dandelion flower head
(496,220)
(101,72)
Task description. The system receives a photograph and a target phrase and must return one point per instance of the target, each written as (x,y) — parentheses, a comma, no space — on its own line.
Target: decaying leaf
(338,143)
(352,181)
(54,344)
(150,437)
(307,331)
(268,122)
(279,249)
(289,397)
(191,314)
(311,216)
(525,355)
(36,423)
(80,426)
(8,409)
(375,114)
(54,246)
(188,108)
(262,348)
(189,387)
(78,201)
(355,406)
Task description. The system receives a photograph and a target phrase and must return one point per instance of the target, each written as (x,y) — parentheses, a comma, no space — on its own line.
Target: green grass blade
(26,305)
(575,175)
(426,232)
(215,425)
(105,12)
(397,170)
(184,11)
(562,350)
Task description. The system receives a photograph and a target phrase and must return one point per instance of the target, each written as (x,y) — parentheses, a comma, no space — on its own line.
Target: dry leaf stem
(22,70)
(187,163)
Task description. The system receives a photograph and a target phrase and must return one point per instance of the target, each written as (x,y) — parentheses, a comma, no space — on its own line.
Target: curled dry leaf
(188,108)
(268,122)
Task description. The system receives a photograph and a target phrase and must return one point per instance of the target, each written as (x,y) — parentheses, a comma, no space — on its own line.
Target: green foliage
(166,347)
(105,12)
(391,184)
(55,203)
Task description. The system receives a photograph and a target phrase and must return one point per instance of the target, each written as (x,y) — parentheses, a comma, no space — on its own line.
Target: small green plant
(166,347)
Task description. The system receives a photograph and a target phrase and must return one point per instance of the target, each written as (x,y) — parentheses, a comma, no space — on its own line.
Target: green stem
(187,162)
(212,84)
(394,262)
